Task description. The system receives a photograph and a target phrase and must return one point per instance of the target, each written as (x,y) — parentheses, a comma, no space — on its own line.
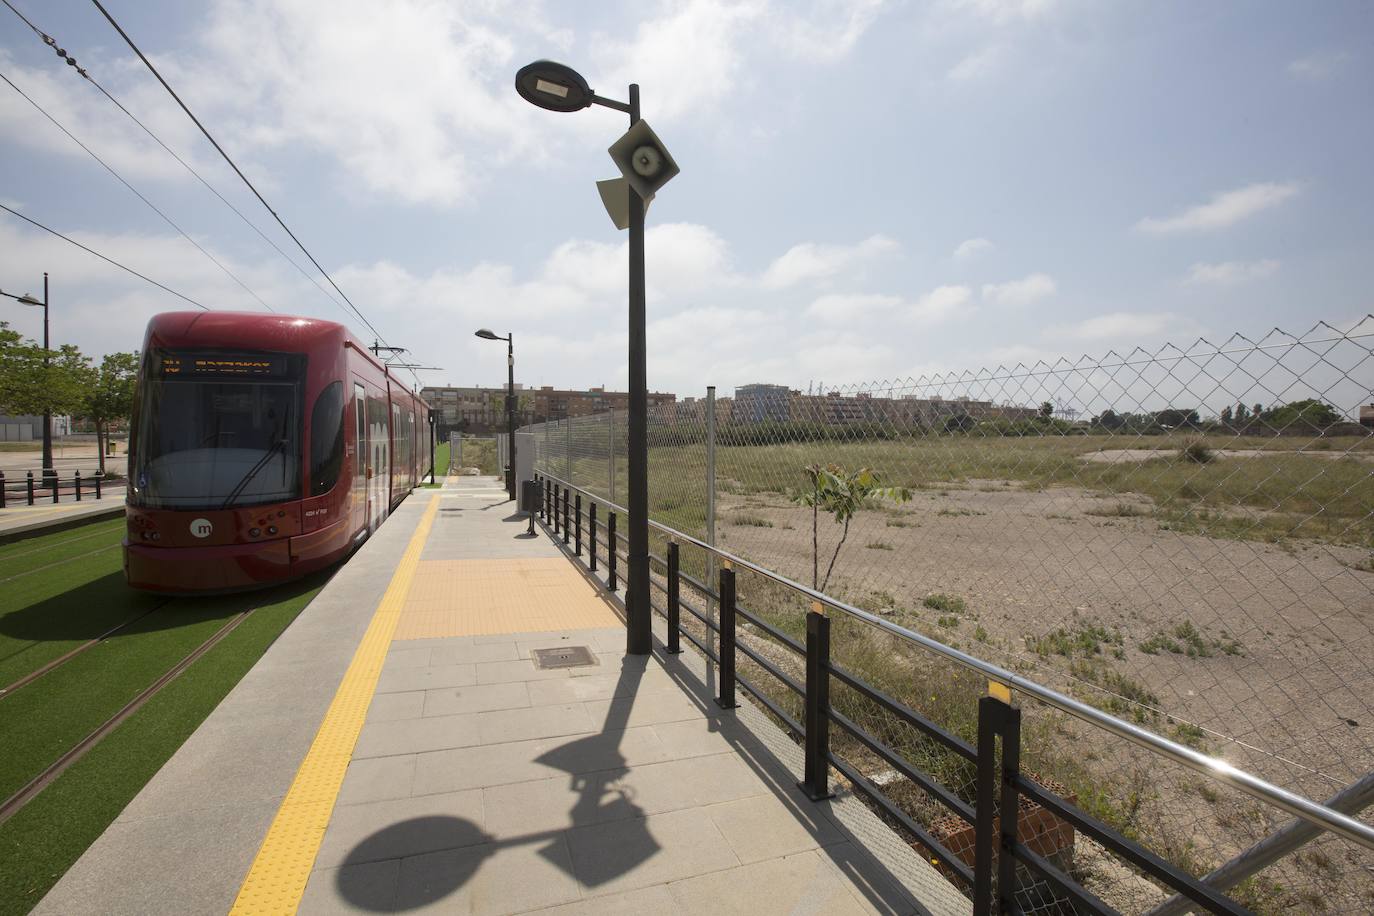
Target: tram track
(33,787)
(68,656)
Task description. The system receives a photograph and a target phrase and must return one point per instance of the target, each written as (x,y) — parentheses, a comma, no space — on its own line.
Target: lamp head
(28,299)
(488,335)
(553,86)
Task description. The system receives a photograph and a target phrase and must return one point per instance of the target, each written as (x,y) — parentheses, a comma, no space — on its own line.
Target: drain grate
(564,657)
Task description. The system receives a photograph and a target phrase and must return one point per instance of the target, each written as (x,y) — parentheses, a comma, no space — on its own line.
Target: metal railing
(30,489)
(1009,853)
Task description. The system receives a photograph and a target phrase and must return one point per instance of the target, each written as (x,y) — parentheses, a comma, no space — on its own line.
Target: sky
(869,190)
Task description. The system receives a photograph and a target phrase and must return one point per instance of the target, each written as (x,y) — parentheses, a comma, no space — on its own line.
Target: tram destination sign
(180,363)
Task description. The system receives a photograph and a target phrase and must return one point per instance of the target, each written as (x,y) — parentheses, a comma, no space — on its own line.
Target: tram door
(378,495)
(362,461)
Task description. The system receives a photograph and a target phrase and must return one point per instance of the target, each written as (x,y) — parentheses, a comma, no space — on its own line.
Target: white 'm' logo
(201,527)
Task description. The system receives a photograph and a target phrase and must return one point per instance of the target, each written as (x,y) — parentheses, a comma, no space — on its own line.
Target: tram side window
(326,439)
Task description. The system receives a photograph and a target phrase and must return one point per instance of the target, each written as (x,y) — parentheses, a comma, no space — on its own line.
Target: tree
(842,494)
(110,396)
(1242,413)
(1310,412)
(1109,419)
(1226,415)
(35,381)
(1046,409)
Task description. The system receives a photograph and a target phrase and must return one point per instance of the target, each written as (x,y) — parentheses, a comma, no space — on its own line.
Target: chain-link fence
(1184,538)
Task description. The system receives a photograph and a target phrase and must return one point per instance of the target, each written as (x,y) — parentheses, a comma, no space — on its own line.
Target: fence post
(54,482)
(97,488)
(816,781)
(30,485)
(611,555)
(983,813)
(995,827)
(726,700)
(1010,807)
(674,600)
(78,486)
(610,439)
(577,525)
(710,493)
(546,506)
(2,489)
(567,448)
(567,494)
(557,508)
(591,535)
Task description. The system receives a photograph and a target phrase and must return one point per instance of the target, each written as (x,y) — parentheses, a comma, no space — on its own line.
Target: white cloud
(680,257)
(810,261)
(935,306)
(829,30)
(1224,209)
(1129,327)
(970,248)
(1019,292)
(1318,66)
(1002,12)
(1229,273)
(977,65)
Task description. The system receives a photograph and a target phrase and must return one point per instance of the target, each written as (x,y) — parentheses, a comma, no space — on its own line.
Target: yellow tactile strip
(480,597)
(277,878)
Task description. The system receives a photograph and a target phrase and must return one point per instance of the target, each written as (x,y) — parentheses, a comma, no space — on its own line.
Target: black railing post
(547,506)
(816,783)
(726,700)
(577,525)
(674,600)
(2,489)
(611,555)
(557,508)
(1011,803)
(78,486)
(591,535)
(97,486)
(30,485)
(983,812)
(567,494)
(55,482)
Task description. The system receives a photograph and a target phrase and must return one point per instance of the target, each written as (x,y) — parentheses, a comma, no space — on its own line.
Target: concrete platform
(19,520)
(477,782)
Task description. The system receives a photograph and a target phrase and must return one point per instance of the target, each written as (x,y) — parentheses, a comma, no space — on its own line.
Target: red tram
(263,447)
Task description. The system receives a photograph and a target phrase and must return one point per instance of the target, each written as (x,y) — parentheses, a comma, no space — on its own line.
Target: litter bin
(531,496)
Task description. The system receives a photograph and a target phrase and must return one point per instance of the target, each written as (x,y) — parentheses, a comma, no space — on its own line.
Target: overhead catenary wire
(137,193)
(105,258)
(71,61)
(233,165)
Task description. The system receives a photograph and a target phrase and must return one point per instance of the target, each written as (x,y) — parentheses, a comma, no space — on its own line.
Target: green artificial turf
(41,842)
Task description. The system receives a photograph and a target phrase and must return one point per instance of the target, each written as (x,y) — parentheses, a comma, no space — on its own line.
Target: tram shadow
(106,607)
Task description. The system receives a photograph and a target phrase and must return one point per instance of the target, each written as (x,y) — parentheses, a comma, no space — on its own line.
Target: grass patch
(1120,695)
(42,841)
(1187,639)
(947,603)
(1197,452)
(879,545)
(1084,640)
(749,521)
(959,512)
(948,621)
(1119,510)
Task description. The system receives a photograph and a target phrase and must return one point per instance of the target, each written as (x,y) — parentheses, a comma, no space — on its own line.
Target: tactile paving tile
(485,597)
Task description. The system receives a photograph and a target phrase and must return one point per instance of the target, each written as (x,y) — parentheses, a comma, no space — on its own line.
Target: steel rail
(1297,805)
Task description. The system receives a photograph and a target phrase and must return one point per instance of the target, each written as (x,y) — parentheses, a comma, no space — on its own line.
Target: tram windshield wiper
(278,445)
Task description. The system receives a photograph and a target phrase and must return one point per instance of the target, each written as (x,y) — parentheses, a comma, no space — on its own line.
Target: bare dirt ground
(1137,455)
(1278,680)
(1293,693)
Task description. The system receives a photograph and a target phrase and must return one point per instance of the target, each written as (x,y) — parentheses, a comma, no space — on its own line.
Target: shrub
(1197,452)
(947,603)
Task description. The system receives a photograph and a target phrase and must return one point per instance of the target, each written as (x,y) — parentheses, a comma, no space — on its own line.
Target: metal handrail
(1298,805)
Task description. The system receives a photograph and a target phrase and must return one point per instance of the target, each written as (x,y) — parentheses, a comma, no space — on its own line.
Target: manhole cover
(564,657)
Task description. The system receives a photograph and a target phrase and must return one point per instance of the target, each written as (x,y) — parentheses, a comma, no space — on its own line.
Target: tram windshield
(217,431)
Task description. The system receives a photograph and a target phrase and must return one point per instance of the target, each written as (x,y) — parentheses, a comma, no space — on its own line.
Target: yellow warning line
(277,878)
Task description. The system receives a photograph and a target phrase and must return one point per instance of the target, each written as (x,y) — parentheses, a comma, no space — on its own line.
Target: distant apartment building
(757,403)
(483,410)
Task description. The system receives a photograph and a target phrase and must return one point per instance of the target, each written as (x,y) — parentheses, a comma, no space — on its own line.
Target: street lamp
(510,404)
(49,474)
(645,166)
